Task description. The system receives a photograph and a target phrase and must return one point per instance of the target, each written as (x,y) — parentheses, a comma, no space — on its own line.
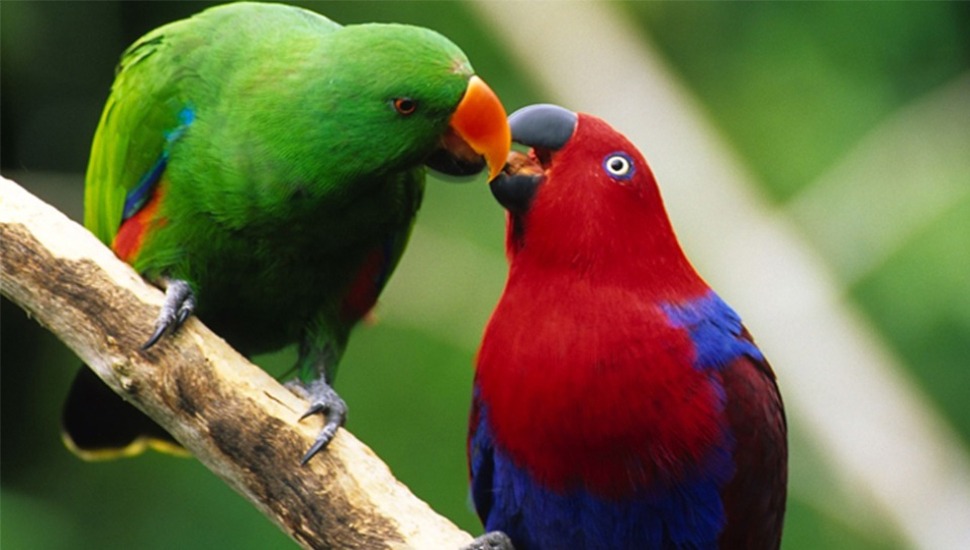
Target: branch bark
(236,419)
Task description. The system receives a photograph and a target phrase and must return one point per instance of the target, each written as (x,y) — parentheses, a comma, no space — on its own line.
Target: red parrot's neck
(645,257)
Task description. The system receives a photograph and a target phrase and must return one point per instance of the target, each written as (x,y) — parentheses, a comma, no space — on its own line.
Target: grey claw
(176,309)
(160,329)
(186,309)
(323,400)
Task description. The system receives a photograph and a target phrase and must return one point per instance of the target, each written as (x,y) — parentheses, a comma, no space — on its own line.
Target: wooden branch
(235,418)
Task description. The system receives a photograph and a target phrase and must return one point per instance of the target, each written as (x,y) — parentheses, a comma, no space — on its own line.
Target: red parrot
(619,402)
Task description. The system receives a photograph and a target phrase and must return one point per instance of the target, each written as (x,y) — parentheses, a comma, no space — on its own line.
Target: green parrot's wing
(159,81)
(130,140)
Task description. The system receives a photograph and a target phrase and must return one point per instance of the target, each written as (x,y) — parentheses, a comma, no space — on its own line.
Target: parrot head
(582,196)
(416,99)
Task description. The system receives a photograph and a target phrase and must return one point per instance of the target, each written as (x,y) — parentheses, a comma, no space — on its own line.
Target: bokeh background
(815,158)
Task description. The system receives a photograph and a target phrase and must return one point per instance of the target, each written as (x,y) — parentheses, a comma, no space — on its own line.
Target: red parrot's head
(582,196)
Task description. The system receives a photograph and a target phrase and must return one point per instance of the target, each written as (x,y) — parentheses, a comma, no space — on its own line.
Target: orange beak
(480,121)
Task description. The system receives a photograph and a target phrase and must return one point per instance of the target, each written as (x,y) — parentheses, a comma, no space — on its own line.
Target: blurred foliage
(790,86)
(921,299)
(794,85)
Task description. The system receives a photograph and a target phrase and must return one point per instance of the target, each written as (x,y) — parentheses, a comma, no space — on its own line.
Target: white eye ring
(619,166)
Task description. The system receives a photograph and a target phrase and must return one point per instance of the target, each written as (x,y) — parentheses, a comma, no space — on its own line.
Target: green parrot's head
(407,95)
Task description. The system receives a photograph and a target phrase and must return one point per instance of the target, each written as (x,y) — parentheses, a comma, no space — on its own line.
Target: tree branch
(235,418)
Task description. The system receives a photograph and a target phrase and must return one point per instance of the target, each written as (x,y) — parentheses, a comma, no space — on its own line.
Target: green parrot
(264,165)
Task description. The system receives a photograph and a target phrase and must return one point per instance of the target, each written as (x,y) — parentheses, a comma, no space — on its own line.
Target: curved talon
(160,329)
(326,436)
(323,400)
(185,310)
(176,309)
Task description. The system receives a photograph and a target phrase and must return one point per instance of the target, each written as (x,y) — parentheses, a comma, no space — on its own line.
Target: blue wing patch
(714,328)
(139,195)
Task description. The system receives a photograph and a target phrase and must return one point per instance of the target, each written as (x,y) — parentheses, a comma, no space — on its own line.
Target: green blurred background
(792,89)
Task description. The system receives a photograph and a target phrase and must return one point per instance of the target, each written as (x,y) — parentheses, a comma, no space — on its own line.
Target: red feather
(128,242)
(362,293)
(586,281)
(755,497)
(546,403)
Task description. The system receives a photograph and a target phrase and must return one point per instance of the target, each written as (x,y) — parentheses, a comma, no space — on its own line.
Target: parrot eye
(619,166)
(405,105)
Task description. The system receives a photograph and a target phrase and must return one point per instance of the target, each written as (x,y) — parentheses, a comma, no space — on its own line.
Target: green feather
(291,171)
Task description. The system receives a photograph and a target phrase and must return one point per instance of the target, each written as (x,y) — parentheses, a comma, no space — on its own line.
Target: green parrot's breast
(260,285)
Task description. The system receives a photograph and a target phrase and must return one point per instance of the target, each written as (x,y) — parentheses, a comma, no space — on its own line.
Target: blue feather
(714,328)
(689,514)
(139,195)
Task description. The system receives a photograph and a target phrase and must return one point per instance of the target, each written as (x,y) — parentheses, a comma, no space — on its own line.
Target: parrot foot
(493,540)
(323,400)
(178,306)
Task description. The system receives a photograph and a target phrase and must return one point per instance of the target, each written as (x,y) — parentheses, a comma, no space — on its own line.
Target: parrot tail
(97,424)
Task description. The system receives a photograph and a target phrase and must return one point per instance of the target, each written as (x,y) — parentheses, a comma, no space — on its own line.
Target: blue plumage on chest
(688,514)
